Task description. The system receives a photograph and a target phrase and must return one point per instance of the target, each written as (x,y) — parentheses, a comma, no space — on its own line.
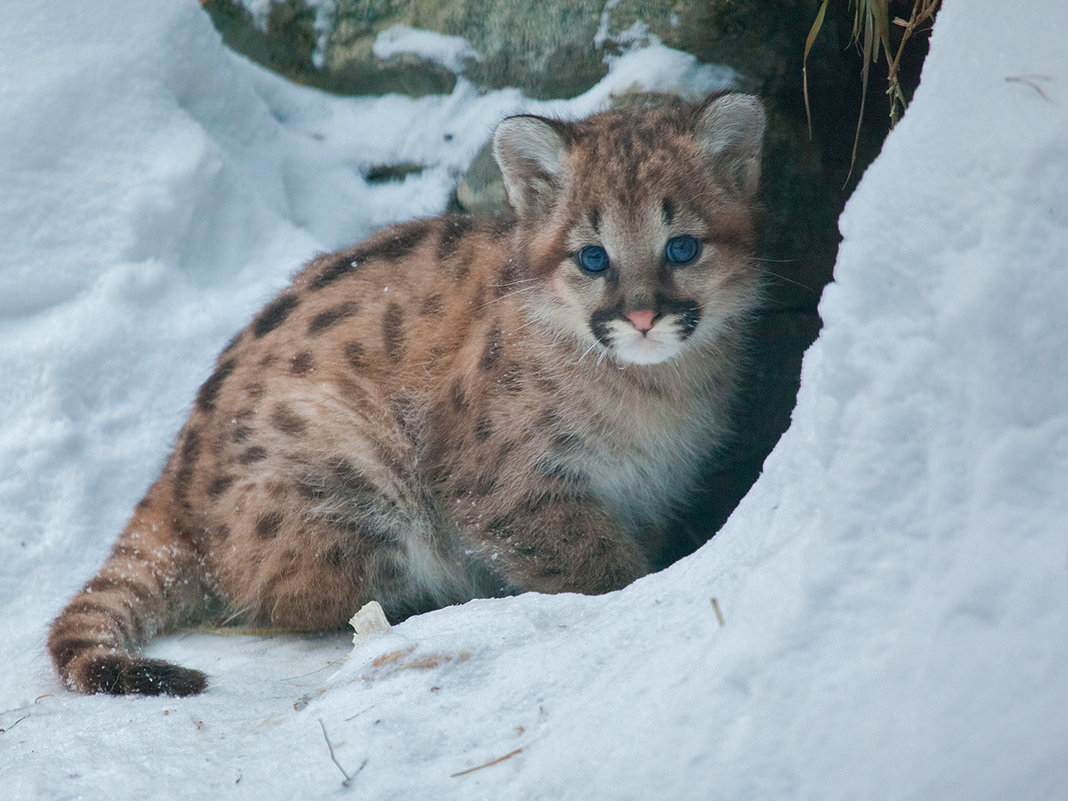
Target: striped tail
(151,581)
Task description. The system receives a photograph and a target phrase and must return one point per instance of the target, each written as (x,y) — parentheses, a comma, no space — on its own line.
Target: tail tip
(118,674)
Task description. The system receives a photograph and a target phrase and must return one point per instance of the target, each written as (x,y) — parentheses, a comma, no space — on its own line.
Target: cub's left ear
(532,154)
(730,131)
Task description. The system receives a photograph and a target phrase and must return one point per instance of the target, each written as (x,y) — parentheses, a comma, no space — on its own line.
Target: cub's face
(638,225)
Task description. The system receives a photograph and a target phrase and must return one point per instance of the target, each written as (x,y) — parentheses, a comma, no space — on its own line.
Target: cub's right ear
(532,154)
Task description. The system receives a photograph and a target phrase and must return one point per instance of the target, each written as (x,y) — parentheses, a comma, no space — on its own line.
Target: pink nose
(642,320)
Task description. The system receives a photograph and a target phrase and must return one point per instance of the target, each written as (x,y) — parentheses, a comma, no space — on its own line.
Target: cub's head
(637,226)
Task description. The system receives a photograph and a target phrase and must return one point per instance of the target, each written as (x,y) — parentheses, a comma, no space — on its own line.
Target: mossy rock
(550,48)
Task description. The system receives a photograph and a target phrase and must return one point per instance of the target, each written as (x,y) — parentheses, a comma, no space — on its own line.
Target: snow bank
(894,590)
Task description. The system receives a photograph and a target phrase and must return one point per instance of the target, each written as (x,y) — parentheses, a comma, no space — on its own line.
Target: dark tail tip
(118,674)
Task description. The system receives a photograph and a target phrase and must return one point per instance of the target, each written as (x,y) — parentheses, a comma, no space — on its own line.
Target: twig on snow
(488,764)
(1032,81)
(715,608)
(330,745)
(13,725)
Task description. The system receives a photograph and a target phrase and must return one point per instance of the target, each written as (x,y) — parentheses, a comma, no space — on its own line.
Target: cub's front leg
(551,543)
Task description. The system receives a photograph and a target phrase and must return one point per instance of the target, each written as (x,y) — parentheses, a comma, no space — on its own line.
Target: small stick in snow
(330,745)
(1031,80)
(480,767)
(715,608)
(13,725)
(368,709)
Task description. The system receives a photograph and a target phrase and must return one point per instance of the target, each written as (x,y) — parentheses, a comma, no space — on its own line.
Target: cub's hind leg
(336,516)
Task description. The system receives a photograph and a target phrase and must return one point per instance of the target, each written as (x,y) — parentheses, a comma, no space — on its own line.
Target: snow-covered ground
(894,589)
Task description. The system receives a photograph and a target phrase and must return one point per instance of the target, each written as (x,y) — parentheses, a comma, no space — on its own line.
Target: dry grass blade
(871,31)
(814,31)
(870,53)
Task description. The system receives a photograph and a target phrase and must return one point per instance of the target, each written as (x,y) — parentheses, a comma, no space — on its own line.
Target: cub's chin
(655,347)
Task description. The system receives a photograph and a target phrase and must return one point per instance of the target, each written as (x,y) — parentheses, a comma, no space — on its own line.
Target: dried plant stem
(488,764)
(871,32)
(715,608)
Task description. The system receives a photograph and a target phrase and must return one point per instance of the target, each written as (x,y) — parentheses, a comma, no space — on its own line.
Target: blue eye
(682,249)
(592,259)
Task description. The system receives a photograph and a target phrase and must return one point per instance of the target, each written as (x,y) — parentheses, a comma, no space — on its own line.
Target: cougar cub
(456,407)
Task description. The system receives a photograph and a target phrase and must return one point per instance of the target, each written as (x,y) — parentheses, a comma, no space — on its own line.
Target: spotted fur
(455,408)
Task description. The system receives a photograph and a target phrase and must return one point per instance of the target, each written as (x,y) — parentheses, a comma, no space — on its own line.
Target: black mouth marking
(599,323)
(688,313)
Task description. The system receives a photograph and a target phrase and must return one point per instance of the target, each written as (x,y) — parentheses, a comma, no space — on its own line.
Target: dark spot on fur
(511,378)
(393,332)
(432,306)
(186,464)
(483,485)
(459,269)
(267,526)
(219,485)
(221,532)
(128,626)
(566,442)
(595,220)
(563,475)
(331,317)
(285,420)
(667,211)
(255,391)
(500,225)
(477,303)
(240,434)
(302,363)
(401,243)
(256,453)
(283,574)
(236,338)
(334,556)
(64,649)
(501,525)
(457,396)
(390,247)
(455,229)
(354,355)
(274,315)
(209,390)
(311,489)
(491,352)
(483,429)
(352,480)
(123,586)
(508,278)
(333,271)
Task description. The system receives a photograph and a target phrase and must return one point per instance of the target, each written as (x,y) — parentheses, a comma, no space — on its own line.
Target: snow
(449,51)
(894,589)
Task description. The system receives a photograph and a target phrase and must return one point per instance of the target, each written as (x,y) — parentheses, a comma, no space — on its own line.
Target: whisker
(777,261)
(791,281)
(507,295)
